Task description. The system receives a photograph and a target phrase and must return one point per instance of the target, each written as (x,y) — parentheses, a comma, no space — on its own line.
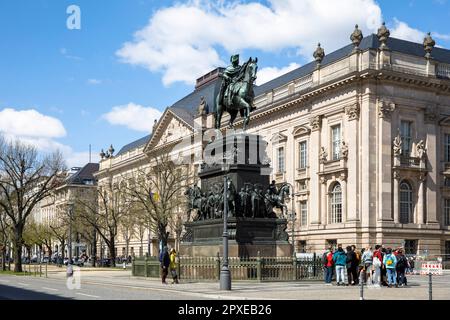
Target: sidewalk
(417,289)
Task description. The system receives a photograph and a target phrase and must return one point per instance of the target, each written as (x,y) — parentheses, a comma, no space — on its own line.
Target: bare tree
(158,191)
(106,214)
(26,178)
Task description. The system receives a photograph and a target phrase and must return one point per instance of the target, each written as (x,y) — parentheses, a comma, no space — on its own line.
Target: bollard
(430,286)
(361,291)
(46,272)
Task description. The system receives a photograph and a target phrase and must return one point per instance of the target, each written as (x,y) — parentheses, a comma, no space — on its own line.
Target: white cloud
(133,116)
(30,123)
(94,81)
(182,41)
(403,31)
(269,73)
(40,131)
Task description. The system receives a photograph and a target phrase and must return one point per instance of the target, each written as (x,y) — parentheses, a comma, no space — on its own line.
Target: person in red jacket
(329,265)
(377,265)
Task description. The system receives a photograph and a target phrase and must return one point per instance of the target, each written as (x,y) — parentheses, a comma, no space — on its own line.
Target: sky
(102,77)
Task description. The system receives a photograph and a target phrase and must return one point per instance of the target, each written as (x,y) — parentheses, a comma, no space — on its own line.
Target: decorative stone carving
(428,45)
(343,176)
(102,154)
(430,114)
(323,155)
(423,176)
(397,176)
(155,123)
(319,54)
(383,35)
(344,151)
(385,109)
(282,235)
(323,180)
(111,151)
(315,123)
(352,112)
(421,150)
(202,107)
(356,37)
(397,146)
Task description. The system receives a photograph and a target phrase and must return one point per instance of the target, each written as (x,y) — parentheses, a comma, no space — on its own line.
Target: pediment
(278,138)
(445,121)
(169,129)
(301,131)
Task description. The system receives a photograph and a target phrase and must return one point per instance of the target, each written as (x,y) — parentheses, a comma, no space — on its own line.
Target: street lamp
(70,231)
(225,275)
(292,217)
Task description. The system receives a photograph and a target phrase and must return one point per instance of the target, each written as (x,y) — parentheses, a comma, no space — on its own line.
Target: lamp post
(225,275)
(70,232)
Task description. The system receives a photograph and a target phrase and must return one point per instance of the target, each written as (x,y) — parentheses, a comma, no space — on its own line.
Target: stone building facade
(362,134)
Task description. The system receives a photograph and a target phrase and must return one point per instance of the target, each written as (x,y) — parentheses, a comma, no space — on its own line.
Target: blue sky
(66,89)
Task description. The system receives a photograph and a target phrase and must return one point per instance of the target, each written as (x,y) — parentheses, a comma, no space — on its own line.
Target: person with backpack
(352,266)
(340,261)
(367,260)
(390,261)
(328,264)
(402,265)
(377,263)
(164,260)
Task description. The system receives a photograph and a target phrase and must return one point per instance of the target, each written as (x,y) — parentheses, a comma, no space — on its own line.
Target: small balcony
(414,163)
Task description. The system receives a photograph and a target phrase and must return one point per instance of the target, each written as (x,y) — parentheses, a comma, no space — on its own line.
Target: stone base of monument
(247,238)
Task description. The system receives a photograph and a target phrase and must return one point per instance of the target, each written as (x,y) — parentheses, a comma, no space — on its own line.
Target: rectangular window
(447,212)
(302,155)
(301,245)
(447,147)
(336,142)
(281,160)
(331,243)
(411,247)
(447,251)
(406,135)
(303,213)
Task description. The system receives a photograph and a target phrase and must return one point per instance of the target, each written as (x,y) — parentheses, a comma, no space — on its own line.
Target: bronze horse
(239,95)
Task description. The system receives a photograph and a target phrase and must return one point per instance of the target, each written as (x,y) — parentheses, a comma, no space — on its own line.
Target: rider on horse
(229,75)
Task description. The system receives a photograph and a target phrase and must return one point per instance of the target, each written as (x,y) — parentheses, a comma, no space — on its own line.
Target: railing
(255,269)
(410,162)
(443,70)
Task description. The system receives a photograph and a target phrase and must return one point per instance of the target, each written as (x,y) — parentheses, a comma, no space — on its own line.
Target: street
(119,285)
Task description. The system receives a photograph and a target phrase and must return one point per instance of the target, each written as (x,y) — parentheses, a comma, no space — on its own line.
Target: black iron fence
(256,269)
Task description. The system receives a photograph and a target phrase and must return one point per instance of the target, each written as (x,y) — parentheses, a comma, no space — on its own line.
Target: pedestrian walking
(340,261)
(328,265)
(174,266)
(390,261)
(402,265)
(164,259)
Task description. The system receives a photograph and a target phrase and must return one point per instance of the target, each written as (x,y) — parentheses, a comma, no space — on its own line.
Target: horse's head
(251,69)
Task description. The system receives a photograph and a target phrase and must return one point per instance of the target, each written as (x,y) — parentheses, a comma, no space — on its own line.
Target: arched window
(336,203)
(406,203)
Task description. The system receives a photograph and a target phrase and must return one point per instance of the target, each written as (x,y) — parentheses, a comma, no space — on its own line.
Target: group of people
(379,266)
(169,263)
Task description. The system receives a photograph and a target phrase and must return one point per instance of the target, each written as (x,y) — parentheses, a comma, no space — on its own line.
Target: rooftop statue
(236,92)
(356,37)
(383,35)
(428,45)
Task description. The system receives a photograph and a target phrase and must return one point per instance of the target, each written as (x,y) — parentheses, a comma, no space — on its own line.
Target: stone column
(396,199)
(314,147)
(420,200)
(323,200)
(352,133)
(385,110)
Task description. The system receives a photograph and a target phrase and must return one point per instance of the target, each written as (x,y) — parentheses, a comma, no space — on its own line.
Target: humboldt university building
(362,134)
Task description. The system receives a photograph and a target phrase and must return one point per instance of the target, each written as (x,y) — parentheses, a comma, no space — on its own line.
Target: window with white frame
(406,135)
(336,142)
(303,151)
(280,159)
(447,212)
(336,204)
(447,147)
(303,213)
(406,203)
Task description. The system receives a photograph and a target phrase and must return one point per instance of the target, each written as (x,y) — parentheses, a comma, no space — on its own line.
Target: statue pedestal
(252,225)
(247,237)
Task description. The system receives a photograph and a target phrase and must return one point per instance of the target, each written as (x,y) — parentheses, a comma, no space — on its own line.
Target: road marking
(87,295)
(50,289)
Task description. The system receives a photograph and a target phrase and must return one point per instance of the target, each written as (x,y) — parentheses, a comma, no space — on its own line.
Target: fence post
(179,268)
(146,267)
(361,283)
(259,267)
(294,265)
(218,265)
(430,286)
(314,265)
